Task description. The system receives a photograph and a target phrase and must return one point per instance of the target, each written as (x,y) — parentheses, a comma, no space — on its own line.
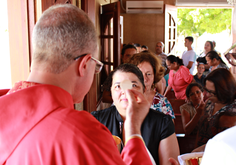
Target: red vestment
(39,126)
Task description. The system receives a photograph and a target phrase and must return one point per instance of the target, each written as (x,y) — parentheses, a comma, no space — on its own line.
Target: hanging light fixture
(231,2)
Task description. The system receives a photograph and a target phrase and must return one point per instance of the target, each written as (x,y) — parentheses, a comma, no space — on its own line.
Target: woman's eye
(117,86)
(134,86)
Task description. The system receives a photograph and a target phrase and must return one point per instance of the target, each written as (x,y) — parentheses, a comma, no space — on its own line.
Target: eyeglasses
(98,66)
(210,92)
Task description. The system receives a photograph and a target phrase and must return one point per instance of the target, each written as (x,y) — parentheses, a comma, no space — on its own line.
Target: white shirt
(221,149)
(189,56)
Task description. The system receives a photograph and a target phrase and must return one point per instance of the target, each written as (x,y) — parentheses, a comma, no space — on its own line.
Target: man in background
(127,52)
(38,124)
(189,56)
(160,53)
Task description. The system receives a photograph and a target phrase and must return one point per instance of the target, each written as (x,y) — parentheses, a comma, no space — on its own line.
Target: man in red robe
(38,124)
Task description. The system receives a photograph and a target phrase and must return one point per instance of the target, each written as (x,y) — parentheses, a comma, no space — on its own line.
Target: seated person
(144,47)
(153,72)
(199,77)
(127,52)
(220,86)
(193,110)
(215,61)
(157,128)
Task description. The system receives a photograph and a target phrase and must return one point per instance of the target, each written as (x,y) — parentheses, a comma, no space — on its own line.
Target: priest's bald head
(64,50)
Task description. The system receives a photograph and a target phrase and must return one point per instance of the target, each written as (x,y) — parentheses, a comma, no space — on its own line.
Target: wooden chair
(186,142)
(176,103)
(170,95)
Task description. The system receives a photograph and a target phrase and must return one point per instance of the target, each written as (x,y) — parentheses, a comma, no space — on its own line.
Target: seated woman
(157,128)
(220,86)
(193,110)
(215,61)
(153,72)
(179,77)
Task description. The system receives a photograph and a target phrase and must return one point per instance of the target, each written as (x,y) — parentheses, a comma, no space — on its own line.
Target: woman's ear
(83,65)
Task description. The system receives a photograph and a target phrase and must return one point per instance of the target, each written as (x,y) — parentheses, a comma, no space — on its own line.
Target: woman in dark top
(157,128)
(220,87)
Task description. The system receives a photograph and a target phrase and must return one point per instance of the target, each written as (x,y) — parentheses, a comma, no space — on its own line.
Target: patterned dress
(209,124)
(161,104)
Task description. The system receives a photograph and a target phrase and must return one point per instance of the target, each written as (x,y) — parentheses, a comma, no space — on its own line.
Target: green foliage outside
(194,22)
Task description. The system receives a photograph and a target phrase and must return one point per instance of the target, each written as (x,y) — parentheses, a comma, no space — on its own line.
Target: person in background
(127,52)
(153,73)
(207,48)
(215,61)
(157,128)
(138,47)
(220,87)
(41,125)
(193,109)
(144,47)
(179,77)
(189,56)
(160,54)
(199,77)
(201,59)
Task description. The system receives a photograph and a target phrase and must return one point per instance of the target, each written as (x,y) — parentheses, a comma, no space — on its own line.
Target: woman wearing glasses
(220,86)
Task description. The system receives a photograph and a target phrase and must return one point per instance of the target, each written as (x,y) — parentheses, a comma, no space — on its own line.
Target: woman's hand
(200,107)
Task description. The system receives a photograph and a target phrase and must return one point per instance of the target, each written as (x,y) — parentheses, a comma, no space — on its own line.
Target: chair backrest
(170,95)
(176,103)
(3,91)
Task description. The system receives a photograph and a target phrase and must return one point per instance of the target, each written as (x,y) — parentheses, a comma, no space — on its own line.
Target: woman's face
(171,66)
(195,95)
(207,47)
(211,62)
(118,95)
(211,91)
(148,74)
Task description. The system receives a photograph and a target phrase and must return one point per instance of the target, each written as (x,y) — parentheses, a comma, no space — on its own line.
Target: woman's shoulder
(108,111)
(157,115)
(183,68)
(187,107)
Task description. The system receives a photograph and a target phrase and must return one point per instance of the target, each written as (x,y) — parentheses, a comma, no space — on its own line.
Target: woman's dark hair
(127,47)
(128,68)
(210,42)
(190,86)
(155,62)
(144,46)
(213,54)
(225,85)
(173,59)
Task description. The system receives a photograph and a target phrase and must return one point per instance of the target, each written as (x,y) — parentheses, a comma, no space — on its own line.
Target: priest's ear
(83,64)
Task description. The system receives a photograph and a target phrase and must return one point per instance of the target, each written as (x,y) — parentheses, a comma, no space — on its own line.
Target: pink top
(179,81)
